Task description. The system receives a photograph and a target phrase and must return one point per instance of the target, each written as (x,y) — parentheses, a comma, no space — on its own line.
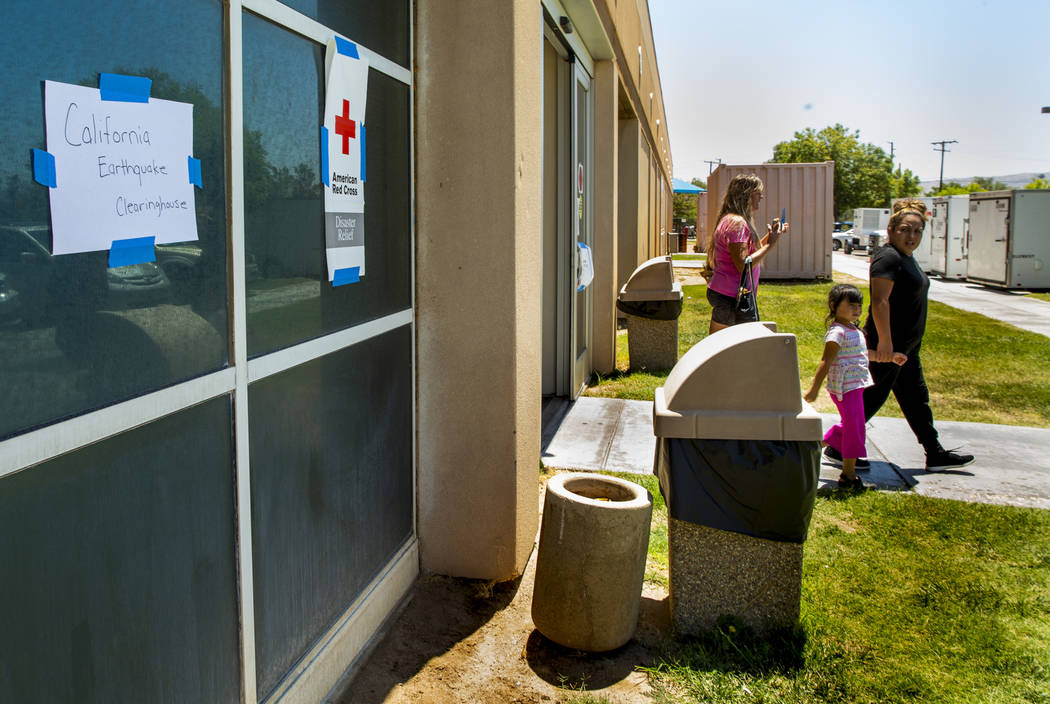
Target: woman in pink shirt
(734,240)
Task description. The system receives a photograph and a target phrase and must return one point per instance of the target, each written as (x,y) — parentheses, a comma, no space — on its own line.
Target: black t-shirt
(907,299)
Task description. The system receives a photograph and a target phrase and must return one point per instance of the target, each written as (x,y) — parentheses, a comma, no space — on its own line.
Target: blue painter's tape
(134,250)
(363,179)
(126,89)
(350,275)
(44,168)
(324,156)
(346,48)
(195,171)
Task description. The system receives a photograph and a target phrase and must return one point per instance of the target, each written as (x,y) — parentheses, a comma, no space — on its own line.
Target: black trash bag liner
(761,488)
(653,310)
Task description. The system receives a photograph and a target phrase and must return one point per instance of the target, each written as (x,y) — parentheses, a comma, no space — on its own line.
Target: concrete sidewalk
(1011,468)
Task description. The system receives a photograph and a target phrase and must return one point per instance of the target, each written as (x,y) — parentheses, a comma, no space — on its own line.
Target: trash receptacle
(594,539)
(652,301)
(738,458)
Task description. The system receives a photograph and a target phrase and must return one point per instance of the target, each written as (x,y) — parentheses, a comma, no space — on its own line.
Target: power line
(943,148)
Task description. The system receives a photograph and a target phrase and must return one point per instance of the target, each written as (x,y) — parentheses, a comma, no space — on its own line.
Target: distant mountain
(1011,180)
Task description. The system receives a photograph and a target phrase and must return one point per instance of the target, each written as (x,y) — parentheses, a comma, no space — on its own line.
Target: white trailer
(923,254)
(947,233)
(1009,238)
(870,225)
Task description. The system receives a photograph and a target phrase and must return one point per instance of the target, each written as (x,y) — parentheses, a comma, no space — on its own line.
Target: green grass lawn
(1042,296)
(904,599)
(977,369)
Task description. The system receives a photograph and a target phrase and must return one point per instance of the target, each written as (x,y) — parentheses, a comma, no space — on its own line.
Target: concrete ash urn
(591,562)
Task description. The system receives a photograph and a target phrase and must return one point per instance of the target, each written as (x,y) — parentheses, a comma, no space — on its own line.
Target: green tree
(903,184)
(863,171)
(1038,182)
(684,209)
(685,205)
(987,183)
(954,188)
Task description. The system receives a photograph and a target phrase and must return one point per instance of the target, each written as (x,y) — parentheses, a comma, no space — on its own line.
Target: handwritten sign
(346,93)
(121,169)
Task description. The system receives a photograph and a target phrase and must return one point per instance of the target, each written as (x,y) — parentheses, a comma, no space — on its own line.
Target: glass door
(583,234)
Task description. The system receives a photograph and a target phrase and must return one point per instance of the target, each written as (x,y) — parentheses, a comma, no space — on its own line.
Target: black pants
(909,388)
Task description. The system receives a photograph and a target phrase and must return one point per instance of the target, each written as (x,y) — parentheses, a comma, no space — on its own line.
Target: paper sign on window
(343,161)
(122,169)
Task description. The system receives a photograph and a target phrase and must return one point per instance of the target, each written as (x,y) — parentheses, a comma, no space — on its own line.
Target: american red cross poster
(343,160)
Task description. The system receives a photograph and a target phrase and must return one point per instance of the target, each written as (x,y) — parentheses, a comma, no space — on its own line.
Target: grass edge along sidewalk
(978,369)
(905,598)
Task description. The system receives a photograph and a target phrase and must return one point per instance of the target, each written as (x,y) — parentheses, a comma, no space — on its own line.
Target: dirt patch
(688,277)
(461,640)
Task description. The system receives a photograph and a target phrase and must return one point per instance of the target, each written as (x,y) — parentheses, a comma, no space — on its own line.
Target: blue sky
(738,76)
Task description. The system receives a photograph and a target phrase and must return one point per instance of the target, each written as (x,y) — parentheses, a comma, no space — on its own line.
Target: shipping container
(806,193)
(947,230)
(923,254)
(1009,238)
(870,225)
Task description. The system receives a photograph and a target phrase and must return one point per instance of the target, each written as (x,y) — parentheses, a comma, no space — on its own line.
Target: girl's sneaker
(835,457)
(854,484)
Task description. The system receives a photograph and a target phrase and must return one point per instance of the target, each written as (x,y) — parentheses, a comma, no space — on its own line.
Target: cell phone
(783,215)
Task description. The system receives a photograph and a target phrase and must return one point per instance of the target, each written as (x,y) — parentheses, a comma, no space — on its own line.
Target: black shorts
(723,308)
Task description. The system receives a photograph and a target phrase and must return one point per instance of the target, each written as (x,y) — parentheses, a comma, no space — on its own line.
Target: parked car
(36,286)
(845,238)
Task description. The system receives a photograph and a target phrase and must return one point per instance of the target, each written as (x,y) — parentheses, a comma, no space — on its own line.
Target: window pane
(331,501)
(380,26)
(74,334)
(118,580)
(289,296)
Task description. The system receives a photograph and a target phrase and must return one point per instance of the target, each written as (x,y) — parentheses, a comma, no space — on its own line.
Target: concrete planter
(591,563)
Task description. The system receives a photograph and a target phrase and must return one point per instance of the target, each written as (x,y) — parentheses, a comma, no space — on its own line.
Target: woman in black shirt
(896,323)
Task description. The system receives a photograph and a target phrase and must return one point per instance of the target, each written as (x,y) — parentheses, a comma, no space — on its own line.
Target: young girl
(845,364)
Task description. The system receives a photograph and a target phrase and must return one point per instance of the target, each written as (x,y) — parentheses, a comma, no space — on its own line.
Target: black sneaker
(835,457)
(854,484)
(946,459)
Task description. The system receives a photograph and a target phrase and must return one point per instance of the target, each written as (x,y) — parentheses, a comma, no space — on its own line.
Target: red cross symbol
(345,127)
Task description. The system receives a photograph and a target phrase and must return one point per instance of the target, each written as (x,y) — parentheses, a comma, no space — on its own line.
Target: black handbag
(746,305)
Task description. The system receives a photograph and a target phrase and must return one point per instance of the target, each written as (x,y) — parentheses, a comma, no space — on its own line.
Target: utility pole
(891,156)
(944,148)
(711,165)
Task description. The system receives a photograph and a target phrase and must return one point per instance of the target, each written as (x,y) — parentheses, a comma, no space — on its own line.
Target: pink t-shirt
(726,279)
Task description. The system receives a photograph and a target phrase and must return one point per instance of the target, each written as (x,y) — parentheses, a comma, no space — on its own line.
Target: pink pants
(847,436)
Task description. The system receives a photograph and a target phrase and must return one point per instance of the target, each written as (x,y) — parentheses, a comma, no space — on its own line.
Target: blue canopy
(680,186)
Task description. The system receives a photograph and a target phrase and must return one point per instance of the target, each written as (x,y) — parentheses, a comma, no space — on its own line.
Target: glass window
(289,297)
(119,578)
(331,501)
(380,26)
(74,334)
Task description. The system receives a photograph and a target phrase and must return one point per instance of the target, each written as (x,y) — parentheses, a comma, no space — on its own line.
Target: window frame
(23,451)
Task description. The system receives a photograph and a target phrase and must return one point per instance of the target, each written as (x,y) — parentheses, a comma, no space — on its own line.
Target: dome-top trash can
(738,458)
(652,301)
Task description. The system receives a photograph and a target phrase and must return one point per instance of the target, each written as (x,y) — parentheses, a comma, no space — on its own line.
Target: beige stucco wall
(627,203)
(478,273)
(606,165)
(478,257)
